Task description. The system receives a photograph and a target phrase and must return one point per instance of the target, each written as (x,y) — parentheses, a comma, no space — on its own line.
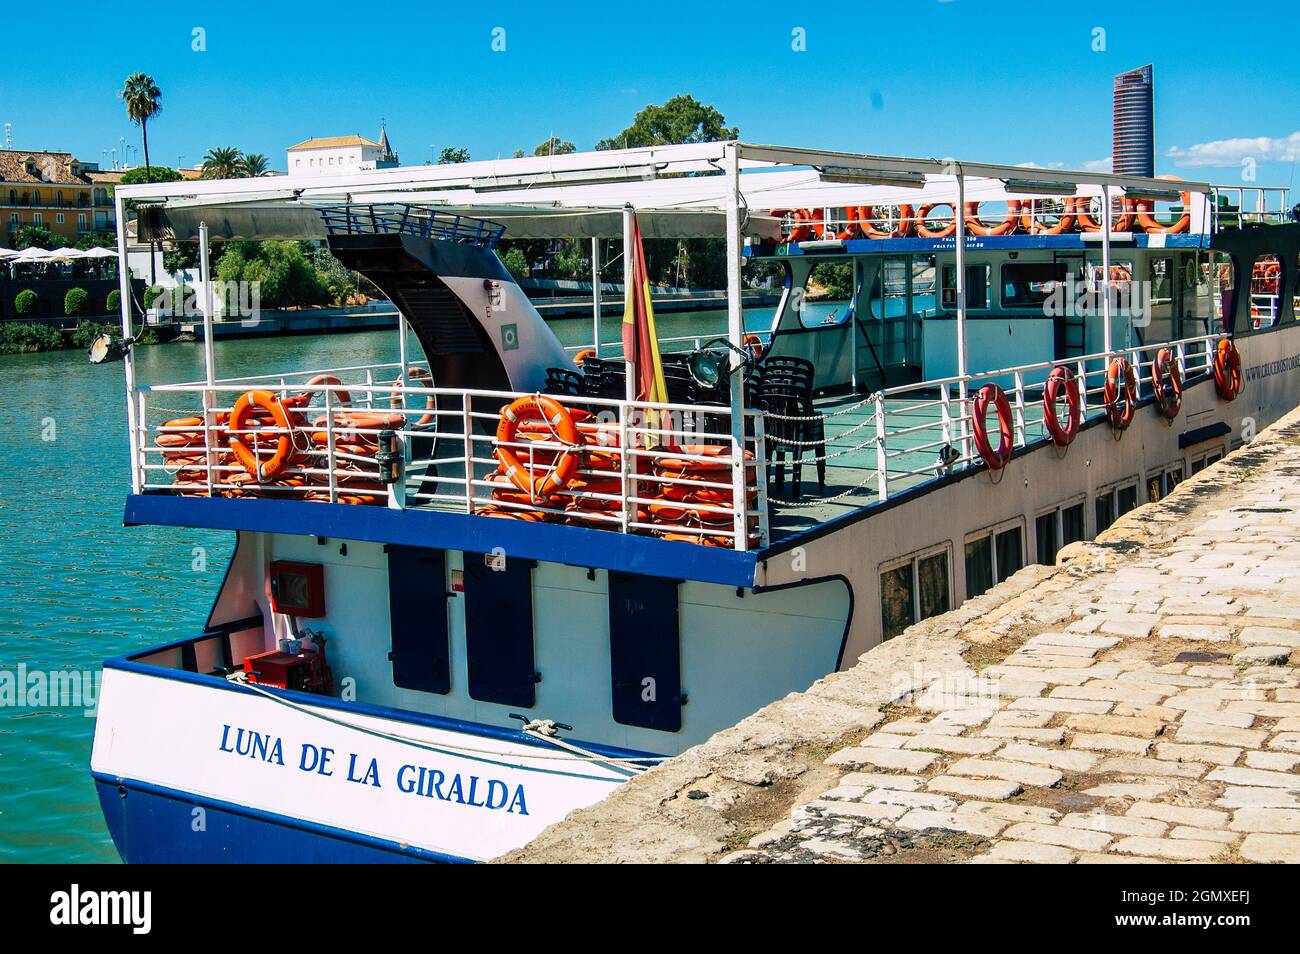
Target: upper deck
(698,485)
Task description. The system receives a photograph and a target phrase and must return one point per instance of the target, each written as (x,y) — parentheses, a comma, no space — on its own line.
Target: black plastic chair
(564,381)
(785,390)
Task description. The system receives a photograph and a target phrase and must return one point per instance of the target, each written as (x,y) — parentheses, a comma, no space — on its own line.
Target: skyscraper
(1135,145)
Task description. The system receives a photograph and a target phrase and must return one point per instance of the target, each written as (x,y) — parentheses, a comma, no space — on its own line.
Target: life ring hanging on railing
(1120,381)
(247,456)
(1086,223)
(902,228)
(583,355)
(995,458)
(1034,226)
(1149,223)
(418,376)
(1061,382)
(1167,383)
(1009,223)
(1228,381)
(754,344)
(556,417)
(303,398)
(801,229)
(924,231)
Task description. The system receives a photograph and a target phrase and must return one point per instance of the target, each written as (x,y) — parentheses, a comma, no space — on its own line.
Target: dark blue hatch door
(645,651)
(417,612)
(499,630)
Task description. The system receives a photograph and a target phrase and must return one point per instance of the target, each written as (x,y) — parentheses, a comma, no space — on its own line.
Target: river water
(76,587)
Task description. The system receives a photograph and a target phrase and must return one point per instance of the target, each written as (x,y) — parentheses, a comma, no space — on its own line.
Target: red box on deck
(280,669)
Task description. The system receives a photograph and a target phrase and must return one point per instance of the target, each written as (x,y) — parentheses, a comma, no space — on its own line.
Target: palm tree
(223,162)
(141,96)
(254,164)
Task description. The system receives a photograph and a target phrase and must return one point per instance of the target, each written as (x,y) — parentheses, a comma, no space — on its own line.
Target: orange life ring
(1147,220)
(1061,380)
(975,226)
(992,394)
(1167,383)
(417,376)
(303,398)
(1086,223)
(1227,369)
(924,231)
(346,423)
(1034,226)
(755,344)
(1120,380)
(539,407)
(583,355)
(801,229)
(901,230)
(247,456)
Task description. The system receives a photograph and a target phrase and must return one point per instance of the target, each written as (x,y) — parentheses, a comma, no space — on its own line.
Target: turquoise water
(76,587)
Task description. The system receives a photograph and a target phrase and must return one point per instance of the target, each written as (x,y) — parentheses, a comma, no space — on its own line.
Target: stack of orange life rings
(1227,370)
(925,231)
(1086,222)
(1008,224)
(1167,384)
(1121,382)
(1060,382)
(999,457)
(695,514)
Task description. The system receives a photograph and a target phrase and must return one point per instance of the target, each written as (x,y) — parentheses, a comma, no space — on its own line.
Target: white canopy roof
(677,190)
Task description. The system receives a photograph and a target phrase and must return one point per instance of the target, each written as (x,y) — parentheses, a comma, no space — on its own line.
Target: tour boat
(483,586)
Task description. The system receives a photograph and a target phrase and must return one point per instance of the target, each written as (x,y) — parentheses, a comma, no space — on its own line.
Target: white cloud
(1097,165)
(1230,152)
(1092,165)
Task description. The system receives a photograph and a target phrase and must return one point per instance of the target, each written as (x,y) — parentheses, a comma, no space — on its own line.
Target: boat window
(889,292)
(992,556)
(1265,291)
(417,613)
(499,629)
(977,286)
(923,302)
(1072,528)
(645,651)
(1105,510)
(1029,284)
(914,589)
(1047,534)
(827,294)
(1161,276)
(1223,287)
(1155,486)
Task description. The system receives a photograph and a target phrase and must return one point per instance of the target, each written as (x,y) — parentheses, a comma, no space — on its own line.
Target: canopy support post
(959,216)
(205,299)
(595,293)
(1107,333)
(128,362)
(736,336)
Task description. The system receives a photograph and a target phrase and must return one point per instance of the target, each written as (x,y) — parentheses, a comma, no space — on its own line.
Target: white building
(336,155)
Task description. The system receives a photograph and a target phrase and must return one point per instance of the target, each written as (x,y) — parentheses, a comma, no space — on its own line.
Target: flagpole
(629,282)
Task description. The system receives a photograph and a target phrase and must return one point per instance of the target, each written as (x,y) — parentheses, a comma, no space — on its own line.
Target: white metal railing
(666,469)
(1249,205)
(946,429)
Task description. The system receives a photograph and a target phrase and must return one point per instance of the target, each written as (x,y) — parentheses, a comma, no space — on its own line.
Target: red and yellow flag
(640,343)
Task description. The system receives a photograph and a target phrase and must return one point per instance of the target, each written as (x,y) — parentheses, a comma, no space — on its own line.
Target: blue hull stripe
(152,824)
(576,546)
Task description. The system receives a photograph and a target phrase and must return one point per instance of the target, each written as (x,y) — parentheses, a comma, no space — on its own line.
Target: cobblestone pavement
(1146,713)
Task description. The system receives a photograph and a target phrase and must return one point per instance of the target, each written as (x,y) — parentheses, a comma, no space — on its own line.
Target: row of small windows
(311,161)
(38,219)
(919,586)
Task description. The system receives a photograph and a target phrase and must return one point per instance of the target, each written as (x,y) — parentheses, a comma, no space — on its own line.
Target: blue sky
(981,80)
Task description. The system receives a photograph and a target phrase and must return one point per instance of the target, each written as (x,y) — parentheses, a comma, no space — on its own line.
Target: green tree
(75,301)
(254,164)
(31,236)
(555,146)
(143,101)
(139,175)
(223,162)
(97,240)
(26,301)
(114,302)
(681,119)
(281,269)
(515,262)
(450,154)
